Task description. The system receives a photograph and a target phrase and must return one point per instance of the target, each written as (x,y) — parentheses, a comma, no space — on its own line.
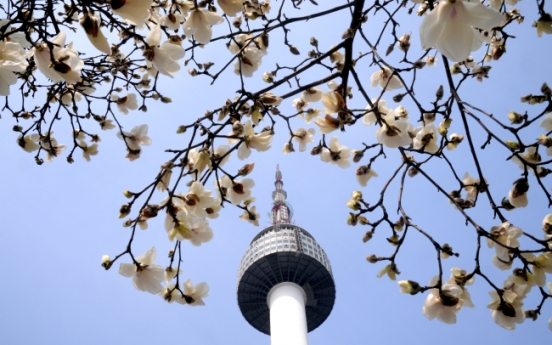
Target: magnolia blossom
(164,58)
(379,108)
(541,265)
(194,294)
(251,216)
(517,196)
(137,137)
(91,24)
(507,235)
(126,103)
(394,133)
(236,191)
(221,156)
(310,114)
(450,27)
(249,61)
(260,141)
(507,313)
(312,94)
(197,200)
(171,294)
(333,102)
(426,139)
(444,305)
(386,80)
(135,12)
(303,137)
(28,142)
(87,150)
(530,156)
(50,144)
(66,65)
(172,20)
(336,154)
(147,276)
(230,7)
(546,123)
(12,59)
(198,24)
(364,174)
(471,185)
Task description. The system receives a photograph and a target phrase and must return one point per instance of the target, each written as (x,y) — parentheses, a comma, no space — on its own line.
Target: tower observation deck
(285,260)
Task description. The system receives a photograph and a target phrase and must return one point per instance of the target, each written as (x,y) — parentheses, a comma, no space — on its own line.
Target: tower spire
(281,212)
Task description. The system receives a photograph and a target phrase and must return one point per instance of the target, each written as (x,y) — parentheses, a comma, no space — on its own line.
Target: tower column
(288,320)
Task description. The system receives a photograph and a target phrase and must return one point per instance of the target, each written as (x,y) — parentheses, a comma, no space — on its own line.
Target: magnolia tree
(133,46)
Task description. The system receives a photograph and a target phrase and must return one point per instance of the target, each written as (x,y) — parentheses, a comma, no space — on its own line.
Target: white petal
(433,25)
(127,270)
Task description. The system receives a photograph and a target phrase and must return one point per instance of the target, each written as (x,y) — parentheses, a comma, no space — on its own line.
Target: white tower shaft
(288,320)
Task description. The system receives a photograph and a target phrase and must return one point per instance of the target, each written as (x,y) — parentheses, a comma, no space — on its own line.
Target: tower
(285,283)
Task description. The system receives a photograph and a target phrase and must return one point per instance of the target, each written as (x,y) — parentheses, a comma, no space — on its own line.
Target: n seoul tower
(285,283)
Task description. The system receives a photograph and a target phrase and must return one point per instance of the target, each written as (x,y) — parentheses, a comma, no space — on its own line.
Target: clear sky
(57,220)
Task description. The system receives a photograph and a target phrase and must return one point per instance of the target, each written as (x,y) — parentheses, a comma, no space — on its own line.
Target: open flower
(450,27)
(386,80)
(88,151)
(379,108)
(137,137)
(507,235)
(135,12)
(198,24)
(443,305)
(165,57)
(506,313)
(336,154)
(517,196)
(126,103)
(303,137)
(364,174)
(147,276)
(394,133)
(236,191)
(426,139)
(251,216)
(260,141)
(230,7)
(12,59)
(91,24)
(194,295)
(66,65)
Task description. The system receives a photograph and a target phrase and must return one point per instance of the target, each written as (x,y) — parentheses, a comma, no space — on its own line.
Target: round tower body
(285,253)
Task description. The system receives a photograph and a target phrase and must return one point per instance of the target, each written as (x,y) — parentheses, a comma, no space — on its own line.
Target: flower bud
(316,150)
(515,118)
(394,239)
(409,287)
(353,205)
(106,262)
(368,236)
(313,42)
(124,210)
(357,155)
(546,90)
(293,49)
(352,219)
(357,195)
(455,69)
(399,224)
(372,258)
(512,144)
(128,194)
(246,169)
(237,22)
(268,78)
(404,42)
(398,97)
(150,211)
(171,253)
(363,220)
(165,99)
(531,314)
(389,49)
(127,223)
(446,251)
(440,92)
(413,172)
(507,205)
(181,129)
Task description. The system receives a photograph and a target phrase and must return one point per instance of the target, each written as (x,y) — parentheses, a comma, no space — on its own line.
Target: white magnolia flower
(304,137)
(137,137)
(252,216)
(171,294)
(312,94)
(379,107)
(386,80)
(471,186)
(546,123)
(12,59)
(507,235)
(172,20)
(197,200)
(310,114)
(530,156)
(364,174)
(443,306)
(194,295)
(507,313)
(165,57)
(249,61)
(260,141)
(91,24)
(220,155)
(450,27)
(336,154)
(87,150)
(517,196)
(66,65)
(394,133)
(230,7)
(198,24)
(501,264)
(300,104)
(135,12)
(148,276)
(333,102)
(28,143)
(426,139)
(126,103)
(541,265)
(236,191)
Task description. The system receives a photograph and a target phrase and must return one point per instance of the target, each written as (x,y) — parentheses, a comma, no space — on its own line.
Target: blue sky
(58,220)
